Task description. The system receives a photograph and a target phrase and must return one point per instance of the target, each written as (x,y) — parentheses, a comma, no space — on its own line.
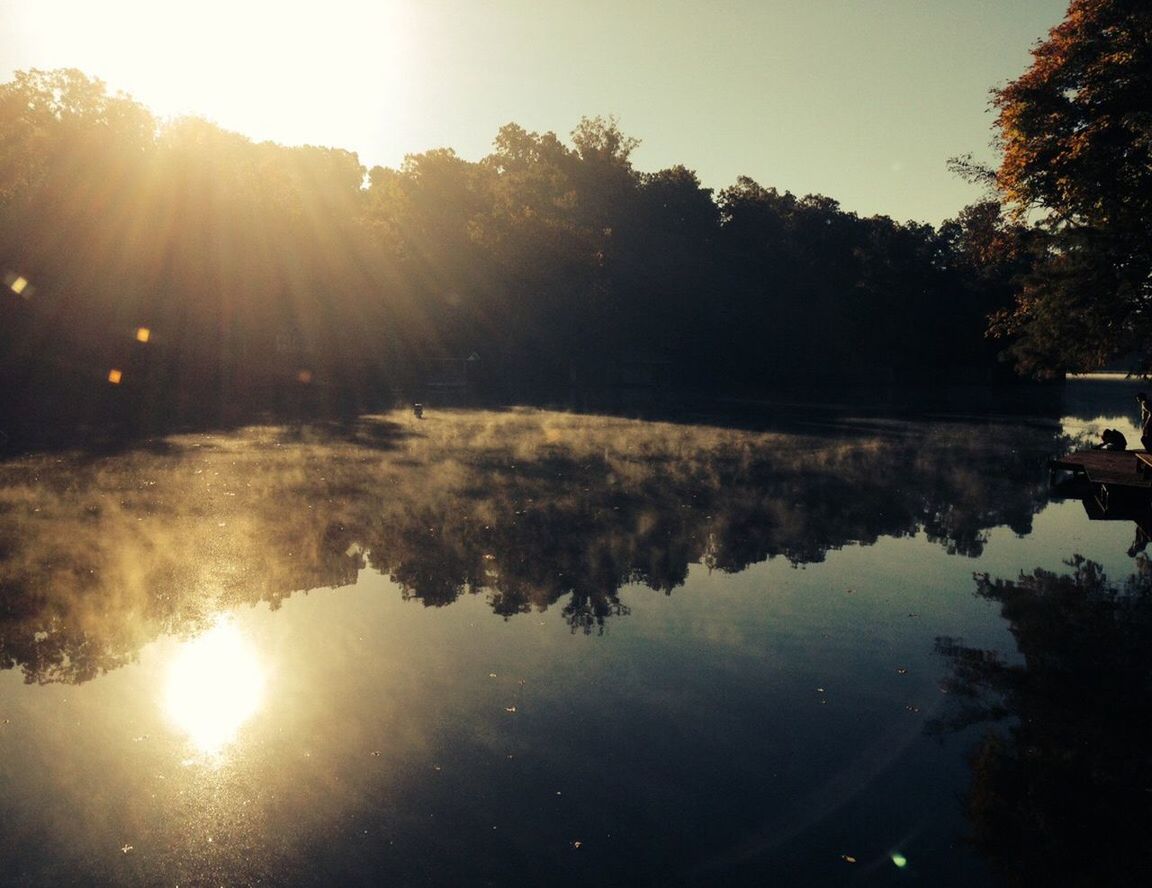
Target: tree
(1075,132)
(52,122)
(1065,773)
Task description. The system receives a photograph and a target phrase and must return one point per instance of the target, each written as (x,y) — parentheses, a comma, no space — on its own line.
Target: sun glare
(292,73)
(215,684)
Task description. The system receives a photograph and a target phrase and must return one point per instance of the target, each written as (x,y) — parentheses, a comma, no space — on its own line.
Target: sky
(860,100)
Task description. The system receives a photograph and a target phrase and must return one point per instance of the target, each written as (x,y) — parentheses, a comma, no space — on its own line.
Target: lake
(787,644)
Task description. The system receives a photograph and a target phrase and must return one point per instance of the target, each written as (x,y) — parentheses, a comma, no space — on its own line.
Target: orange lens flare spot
(114,376)
(19,285)
(304,376)
(143,334)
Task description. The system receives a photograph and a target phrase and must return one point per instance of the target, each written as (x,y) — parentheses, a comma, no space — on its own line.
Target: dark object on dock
(1114,478)
(418,410)
(1111,439)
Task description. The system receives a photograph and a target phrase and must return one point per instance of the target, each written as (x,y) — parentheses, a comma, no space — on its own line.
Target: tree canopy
(1076,137)
(272,277)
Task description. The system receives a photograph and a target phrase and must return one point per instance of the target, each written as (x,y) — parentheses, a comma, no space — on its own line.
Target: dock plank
(1124,468)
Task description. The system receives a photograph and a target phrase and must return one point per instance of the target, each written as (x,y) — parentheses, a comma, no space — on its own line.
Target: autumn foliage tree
(1076,136)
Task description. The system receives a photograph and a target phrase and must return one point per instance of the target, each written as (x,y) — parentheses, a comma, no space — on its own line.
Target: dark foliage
(1061,795)
(291,280)
(531,510)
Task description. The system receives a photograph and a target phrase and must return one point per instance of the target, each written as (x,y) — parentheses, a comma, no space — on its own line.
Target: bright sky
(861,100)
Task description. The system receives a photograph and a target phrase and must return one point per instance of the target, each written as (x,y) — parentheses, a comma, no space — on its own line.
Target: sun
(215,684)
(293,73)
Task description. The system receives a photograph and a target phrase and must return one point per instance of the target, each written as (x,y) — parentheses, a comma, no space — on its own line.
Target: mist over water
(525,646)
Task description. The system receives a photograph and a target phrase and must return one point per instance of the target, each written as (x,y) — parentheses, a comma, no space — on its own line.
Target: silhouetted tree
(287,280)
(1060,794)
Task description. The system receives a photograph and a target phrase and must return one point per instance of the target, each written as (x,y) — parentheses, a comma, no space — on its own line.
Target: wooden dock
(1115,479)
(1124,468)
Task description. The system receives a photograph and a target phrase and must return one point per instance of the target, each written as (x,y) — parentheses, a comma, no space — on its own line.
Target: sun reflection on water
(215,684)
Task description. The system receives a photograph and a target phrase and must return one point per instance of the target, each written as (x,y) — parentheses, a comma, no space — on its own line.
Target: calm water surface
(529,648)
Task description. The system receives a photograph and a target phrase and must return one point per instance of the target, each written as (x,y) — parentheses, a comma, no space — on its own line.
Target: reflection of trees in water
(1063,795)
(526,508)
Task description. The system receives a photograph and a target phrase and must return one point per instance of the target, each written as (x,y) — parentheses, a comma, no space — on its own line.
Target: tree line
(216,273)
